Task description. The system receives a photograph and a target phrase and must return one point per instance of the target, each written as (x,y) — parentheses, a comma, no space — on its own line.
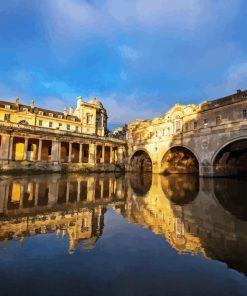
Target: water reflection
(194,215)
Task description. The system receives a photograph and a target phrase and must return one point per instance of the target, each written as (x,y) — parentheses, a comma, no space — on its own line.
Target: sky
(139,57)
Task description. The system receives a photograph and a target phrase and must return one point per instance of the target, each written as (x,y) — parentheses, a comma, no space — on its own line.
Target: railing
(56,132)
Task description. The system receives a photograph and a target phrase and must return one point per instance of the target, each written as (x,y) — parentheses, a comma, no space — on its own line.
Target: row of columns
(114,187)
(6,151)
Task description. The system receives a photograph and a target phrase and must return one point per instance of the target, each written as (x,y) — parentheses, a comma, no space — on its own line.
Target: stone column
(3,197)
(25,149)
(22,195)
(11,147)
(55,151)
(78,190)
(120,155)
(70,152)
(103,154)
(101,188)
(91,188)
(36,194)
(92,153)
(67,192)
(110,151)
(80,153)
(40,150)
(113,155)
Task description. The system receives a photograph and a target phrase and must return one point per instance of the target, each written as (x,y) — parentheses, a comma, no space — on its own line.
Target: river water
(122,235)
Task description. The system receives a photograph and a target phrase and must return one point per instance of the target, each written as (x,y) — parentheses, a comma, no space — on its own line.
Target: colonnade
(25,148)
(25,195)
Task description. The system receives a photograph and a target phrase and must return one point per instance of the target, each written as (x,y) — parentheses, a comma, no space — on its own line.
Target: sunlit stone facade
(87,118)
(40,136)
(209,139)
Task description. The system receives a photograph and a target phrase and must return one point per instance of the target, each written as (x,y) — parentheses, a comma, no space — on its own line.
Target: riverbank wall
(45,167)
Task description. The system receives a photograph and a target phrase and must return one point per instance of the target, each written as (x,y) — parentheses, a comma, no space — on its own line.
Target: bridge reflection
(206,216)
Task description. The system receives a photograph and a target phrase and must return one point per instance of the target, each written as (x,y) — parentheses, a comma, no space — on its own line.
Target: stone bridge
(209,139)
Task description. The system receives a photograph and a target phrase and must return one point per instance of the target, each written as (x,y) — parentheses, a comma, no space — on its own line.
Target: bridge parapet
(204,130)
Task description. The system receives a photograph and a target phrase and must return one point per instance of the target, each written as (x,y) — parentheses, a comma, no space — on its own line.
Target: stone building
(209,139)
(40,136)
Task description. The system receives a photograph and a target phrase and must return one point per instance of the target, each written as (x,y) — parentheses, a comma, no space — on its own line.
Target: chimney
(32,104)
(17,101)
(65,111)
(79,101)
(71,111)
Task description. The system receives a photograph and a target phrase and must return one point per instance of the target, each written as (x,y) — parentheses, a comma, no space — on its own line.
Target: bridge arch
(140,161)
(179,160)
(141,184)
(230,159)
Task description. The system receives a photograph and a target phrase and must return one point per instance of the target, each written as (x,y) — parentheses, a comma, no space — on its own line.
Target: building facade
(209,139)
(40,136)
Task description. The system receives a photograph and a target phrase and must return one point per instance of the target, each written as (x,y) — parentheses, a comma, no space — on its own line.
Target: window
(177,124)
(77,129)
(186,126)
(163,132)
(156,134)
(50,123)
(30,147)
(6,117)
(60,124)
(245,114)
(41,113)
(40,122)
(68,127)
(195,124)
(205,122)
(7,106)
(60,116)
(50,114)
(25,109)
(89,118)
(23,122)
(73,118)
(168,130)
(49,150)
(218,119)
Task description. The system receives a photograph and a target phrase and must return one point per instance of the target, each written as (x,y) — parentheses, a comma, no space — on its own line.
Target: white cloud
(128,52)
(81,19)
(235,78)
(52,103)
(126,108)
(21,77)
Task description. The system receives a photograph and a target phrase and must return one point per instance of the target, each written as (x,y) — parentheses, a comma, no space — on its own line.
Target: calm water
(122,235)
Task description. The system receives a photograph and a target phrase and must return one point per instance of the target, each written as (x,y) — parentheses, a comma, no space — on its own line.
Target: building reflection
(72,205)
(206,216)
(195,215)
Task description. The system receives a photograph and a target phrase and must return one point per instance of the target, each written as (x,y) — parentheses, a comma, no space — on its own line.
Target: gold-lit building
(87,118)
(36,135)
(209,139)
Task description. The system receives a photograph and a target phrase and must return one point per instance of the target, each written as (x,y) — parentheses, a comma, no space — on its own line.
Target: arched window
(177,124)
(24,122)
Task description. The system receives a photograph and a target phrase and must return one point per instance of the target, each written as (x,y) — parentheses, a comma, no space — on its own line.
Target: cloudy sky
(139,57)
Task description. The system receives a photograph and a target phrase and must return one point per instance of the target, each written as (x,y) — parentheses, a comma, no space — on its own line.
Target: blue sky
(139,57)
